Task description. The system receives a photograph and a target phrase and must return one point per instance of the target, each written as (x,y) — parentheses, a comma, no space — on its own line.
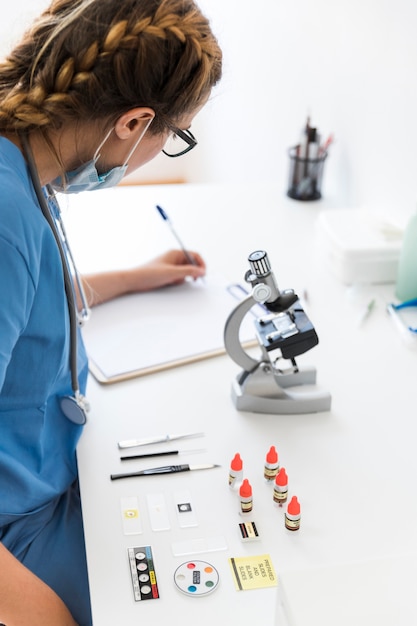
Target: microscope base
(263,392)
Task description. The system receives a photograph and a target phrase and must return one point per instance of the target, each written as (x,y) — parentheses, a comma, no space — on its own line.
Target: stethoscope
(74,407)
(409,333)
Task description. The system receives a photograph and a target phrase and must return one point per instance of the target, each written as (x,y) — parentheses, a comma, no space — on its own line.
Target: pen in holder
(307,164)
(306,175)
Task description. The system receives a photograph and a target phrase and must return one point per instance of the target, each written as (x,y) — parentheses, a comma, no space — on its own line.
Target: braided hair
(95,59)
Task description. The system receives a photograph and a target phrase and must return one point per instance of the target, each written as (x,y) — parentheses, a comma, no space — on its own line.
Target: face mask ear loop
(138,141)
(97,152)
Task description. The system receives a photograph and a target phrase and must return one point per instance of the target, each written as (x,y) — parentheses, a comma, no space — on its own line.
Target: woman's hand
(170,268)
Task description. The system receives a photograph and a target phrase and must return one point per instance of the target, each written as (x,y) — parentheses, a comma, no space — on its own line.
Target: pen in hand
(166,219)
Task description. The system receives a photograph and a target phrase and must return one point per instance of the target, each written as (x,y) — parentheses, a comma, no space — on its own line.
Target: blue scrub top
(37,442)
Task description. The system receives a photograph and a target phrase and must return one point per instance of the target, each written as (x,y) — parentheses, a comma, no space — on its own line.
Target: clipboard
(145,333)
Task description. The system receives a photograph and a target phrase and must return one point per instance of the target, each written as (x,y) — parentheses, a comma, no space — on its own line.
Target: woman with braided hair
(95,89)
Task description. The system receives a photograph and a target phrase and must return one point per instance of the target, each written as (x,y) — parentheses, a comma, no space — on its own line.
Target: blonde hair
(95,59)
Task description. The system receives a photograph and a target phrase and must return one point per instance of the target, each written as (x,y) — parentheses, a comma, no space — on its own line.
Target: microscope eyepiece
(260,272)
(259,263)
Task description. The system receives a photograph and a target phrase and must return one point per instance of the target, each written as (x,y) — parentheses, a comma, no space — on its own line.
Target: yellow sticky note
(253,572)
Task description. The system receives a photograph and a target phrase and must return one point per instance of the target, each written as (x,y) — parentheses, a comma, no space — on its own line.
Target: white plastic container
(358,247)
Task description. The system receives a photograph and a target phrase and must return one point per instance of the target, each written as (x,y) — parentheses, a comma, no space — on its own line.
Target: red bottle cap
(237,463)
(245,490)
(293,507)
(281,478)
(272,456)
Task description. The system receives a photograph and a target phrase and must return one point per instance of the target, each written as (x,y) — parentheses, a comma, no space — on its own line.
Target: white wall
(350,64)
(16,16)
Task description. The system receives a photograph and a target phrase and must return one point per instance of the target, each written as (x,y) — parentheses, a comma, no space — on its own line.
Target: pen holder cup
(305,176)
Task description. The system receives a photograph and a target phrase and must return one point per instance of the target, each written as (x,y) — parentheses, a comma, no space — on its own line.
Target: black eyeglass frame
(185,135)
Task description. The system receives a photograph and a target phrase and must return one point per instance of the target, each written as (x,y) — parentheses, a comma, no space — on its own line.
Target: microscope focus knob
(261,292)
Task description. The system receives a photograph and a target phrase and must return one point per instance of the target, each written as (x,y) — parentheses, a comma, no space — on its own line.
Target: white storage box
(358,246)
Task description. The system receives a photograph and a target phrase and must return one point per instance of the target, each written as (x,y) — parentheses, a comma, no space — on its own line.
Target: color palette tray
(196,578)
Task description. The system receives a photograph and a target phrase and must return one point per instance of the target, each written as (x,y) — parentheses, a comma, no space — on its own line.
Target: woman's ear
(133,122)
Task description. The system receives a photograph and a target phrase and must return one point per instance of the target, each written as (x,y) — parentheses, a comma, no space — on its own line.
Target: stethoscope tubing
(78,403)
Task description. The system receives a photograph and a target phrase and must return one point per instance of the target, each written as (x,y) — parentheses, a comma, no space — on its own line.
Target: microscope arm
(231,335)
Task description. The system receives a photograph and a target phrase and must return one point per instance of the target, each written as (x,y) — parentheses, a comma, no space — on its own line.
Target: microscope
(273,383)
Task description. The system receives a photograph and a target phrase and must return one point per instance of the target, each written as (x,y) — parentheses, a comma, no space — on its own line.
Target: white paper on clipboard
(145,333)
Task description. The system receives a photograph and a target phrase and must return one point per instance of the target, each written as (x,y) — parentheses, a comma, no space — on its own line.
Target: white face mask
(87,178)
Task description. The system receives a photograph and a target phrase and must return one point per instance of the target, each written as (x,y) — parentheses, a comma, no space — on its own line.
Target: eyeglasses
(179,142)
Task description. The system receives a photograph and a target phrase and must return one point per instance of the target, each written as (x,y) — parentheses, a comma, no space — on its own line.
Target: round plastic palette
(196,578)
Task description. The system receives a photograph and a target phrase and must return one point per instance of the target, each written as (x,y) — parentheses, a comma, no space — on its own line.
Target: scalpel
(166,469)
(133,443)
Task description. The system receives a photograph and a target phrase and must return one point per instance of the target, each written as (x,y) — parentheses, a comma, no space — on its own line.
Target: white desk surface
(353,468)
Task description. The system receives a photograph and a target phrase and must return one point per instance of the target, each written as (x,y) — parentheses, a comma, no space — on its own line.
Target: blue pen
(166,219)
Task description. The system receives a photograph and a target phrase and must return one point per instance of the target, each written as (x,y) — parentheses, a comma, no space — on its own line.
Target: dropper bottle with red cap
(236,470)
(245,496)
(281,487)
(271,464)
(293,514)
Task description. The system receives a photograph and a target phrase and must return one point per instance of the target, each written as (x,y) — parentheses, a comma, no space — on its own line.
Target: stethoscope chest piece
(75,409)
